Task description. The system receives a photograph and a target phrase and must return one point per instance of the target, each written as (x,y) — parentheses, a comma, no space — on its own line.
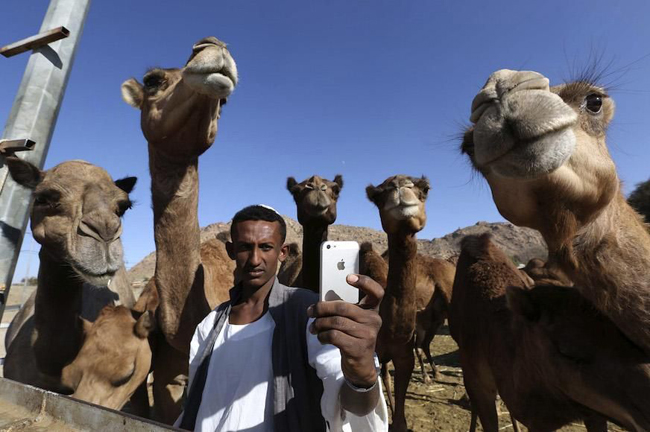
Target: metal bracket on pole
(34,42)
(9,147)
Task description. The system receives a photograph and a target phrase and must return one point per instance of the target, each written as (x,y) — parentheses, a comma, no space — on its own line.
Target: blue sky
(367,89)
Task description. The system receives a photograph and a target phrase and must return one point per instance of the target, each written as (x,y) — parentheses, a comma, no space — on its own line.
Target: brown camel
(114,359)
(76,220)
(435,278)
(400,200)
(315,199)
(551,356)
(543,152)
(180,109)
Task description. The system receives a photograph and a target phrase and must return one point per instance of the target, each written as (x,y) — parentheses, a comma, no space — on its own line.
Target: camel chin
(100,280)
(212,84)
(535,159)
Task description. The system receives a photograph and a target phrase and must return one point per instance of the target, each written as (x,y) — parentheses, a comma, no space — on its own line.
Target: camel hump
(479,246)
(365,247)
(294,249)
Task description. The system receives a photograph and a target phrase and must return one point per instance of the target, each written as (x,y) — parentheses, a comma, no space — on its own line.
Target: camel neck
(398,307)
(175,197)
(313,237)
(57,328)
(611,257)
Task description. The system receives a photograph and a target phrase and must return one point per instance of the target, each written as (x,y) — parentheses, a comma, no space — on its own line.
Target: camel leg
(403,370)
(483,400)
(515,425)
(472,422)
(595,423)
(425,374)
(170,378)
(434,368)
(388,385)
(427,346)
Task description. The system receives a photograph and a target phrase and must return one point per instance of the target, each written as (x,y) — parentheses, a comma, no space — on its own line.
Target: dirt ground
(438,406)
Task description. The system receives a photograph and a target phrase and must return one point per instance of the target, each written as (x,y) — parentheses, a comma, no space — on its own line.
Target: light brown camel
(114,359)
(180,109)
(316,200)
(400,200)
(543,152)
(435,278)
(550,355)
(76,220)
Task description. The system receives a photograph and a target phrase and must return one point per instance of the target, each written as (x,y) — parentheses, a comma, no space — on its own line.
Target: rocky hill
(521,244)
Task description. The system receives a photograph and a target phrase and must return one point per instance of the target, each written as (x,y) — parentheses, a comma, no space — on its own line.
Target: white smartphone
(337,260)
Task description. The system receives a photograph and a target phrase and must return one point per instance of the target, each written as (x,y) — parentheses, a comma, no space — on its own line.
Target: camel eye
(152,82)
(48,198)
(594,103)
(122,207)
(123,380)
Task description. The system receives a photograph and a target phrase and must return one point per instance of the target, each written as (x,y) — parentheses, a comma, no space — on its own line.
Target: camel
(76,220)
(400,200)
(543,152)
(119,336)
(551,356)
(315,199)
(435,278)
(180,109)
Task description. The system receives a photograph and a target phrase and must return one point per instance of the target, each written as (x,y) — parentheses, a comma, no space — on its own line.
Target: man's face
(256,248)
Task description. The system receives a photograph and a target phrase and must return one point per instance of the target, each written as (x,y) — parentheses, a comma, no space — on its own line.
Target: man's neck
(252,304)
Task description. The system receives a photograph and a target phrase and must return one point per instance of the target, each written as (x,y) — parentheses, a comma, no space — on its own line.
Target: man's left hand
(353,328)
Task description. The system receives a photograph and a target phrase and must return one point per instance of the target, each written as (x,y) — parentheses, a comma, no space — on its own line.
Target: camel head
(542,149)
(114,359)
(76,215)
(180,107)
(597,366)
(316,199)
(400,200)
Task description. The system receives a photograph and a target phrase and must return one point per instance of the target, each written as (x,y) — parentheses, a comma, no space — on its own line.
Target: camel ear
(133,93)
(230,250)
(424,185)
(520,302)
(87,325)
(373,192)
(339,180)
(126,184)
(23,172)
(145,324)
(291,183)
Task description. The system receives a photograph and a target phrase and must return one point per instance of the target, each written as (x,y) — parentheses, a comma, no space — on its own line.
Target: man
(275,359)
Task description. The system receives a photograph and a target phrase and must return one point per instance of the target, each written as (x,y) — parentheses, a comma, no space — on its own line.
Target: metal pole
(33,115)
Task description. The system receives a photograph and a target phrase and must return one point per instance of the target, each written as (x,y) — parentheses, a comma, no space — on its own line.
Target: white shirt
(246,402)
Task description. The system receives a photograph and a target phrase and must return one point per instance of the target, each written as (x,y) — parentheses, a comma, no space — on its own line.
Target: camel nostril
(106,229)
(206,42)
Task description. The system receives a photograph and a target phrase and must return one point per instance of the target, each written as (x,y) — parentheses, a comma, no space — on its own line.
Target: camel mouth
(316,210)
(97,279)
(404,211)
(218,84)
(534,158)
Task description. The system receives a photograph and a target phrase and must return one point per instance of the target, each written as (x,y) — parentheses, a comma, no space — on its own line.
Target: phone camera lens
(328,246)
